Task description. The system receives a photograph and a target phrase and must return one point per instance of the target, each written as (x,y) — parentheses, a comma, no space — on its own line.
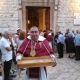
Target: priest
(35,45)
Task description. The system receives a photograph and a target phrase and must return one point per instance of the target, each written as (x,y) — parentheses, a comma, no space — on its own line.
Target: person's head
(34,33)
(18,31)
(22,35)
(67,30)
(77,31)
(8,34)
(0,35)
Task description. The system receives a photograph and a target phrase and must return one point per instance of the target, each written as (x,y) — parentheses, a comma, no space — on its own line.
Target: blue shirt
(61,39)
(77,40)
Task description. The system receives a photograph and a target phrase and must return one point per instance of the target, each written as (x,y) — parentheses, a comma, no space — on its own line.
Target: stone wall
(66,11)
(9,15)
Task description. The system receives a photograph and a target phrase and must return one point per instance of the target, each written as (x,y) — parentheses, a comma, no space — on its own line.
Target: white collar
(41,38)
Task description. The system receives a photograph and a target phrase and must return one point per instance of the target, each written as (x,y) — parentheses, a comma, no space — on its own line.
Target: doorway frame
(37,4)
(46,22)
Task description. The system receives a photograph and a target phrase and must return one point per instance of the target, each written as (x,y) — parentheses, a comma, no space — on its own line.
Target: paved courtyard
(66,69)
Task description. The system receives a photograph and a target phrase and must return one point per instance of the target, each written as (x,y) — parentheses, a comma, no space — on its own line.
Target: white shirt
(6,55)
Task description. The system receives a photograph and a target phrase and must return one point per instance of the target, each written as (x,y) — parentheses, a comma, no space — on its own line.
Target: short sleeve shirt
(6,55)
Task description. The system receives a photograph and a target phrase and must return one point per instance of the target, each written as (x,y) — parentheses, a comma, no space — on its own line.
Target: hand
(19,57)
(52,56)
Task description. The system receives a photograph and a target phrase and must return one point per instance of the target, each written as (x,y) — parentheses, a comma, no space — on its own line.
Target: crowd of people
(30,44)
(37,43)
(70,41)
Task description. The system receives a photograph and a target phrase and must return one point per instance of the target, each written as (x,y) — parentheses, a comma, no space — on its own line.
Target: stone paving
(66,69)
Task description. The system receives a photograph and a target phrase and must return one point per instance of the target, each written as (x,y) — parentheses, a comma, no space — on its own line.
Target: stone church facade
(59,15)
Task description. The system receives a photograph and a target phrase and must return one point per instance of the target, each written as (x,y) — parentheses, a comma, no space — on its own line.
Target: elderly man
(35,45)
(6,54)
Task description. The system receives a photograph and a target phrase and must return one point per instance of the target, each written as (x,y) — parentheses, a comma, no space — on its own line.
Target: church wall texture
(9,15)
(66,11)
(64,15)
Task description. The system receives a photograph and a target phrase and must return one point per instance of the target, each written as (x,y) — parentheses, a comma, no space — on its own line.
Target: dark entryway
(38,16)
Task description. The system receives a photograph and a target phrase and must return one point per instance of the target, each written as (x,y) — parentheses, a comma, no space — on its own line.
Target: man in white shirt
(6,54)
